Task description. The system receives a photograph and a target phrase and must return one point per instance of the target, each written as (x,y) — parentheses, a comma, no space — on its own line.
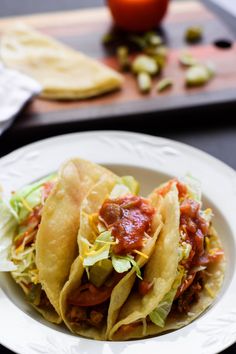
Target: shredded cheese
(141,254)
(34,276)
(93,220)
(183,235)
(20,248)
(26,205)
(146,235)
(24,287)
(92,252)
(190,314)
(86,242)
(210,292)
(213,251)
(107,242)
(207,243)
(87,272)
(144,326)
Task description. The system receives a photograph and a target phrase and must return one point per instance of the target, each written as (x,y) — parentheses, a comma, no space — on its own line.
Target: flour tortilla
(63,72)
(91,204)
(56,241)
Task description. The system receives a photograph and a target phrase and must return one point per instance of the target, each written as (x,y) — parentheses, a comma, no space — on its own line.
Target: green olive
(144,82)
(193,34)
(153,39)
(164,84)
(144,63)
(187,59)
(197,75)
(122,54)
(159,54)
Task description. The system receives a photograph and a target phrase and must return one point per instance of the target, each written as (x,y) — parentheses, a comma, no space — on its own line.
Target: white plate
(151,160)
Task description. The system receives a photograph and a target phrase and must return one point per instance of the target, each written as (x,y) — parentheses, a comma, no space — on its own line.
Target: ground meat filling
(194,230)
(191,296)
(88,316)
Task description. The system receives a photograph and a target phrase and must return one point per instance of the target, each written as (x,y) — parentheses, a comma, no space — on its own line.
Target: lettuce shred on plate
(18,229)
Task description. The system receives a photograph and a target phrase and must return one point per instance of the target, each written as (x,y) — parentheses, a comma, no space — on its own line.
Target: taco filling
(120,230)
(28,205)
(198,255)
(196,251)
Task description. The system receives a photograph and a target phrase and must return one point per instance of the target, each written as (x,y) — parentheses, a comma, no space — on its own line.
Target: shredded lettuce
(100,272)
(100,250)
(34,294)
(123,263)
(22,202)
(184,250)
(102,245)
(199,268)
(125,185)
(194,187)
(101,228)
(207,215)
(159,315)
(8,225)
(131,183)
(26,270)
(118,191)
(28,197)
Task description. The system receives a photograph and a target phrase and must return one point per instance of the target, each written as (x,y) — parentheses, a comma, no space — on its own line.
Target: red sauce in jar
(128,218)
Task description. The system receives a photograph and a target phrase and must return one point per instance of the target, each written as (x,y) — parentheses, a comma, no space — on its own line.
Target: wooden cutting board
(84,29)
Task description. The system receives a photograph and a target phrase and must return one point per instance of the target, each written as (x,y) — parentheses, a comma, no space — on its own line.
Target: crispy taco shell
(90,205)
(56,241)
(162,270)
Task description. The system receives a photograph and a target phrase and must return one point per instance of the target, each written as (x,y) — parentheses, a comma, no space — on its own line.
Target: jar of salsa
(138,15)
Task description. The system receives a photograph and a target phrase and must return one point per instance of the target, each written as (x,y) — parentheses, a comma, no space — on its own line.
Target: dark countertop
(200,129)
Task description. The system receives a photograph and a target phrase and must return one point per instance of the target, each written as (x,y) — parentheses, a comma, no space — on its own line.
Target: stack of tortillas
(64,73)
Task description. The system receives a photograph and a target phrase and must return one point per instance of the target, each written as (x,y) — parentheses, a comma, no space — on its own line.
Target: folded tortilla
(63,72)
(56,239)
(163,271)
(90,206)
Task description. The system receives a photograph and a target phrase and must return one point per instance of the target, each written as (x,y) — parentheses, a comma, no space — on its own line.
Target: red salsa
(182,189)
(128,218)
(194,230)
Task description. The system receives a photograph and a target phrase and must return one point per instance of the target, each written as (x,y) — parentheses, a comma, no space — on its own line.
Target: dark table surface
(211,130)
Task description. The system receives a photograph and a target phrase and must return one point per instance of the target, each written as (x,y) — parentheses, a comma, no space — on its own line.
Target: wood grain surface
(84,29)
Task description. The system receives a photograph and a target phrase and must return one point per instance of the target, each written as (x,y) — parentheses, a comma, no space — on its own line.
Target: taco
(43,224)
(118,232)
(185,272)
